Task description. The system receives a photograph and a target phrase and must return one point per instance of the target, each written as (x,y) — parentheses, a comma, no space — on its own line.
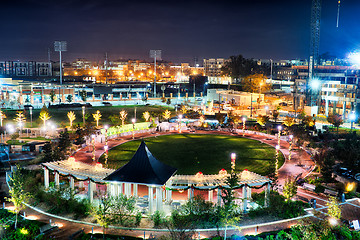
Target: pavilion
(148,172)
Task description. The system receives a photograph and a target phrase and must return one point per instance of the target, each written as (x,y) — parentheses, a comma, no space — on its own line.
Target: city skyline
(256,29)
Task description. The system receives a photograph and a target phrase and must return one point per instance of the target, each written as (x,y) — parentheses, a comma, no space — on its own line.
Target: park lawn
(192,153)
(59,116)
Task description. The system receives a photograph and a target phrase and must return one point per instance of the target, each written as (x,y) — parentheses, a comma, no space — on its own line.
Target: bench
(47,228)
(330,192)
(309,187)
(74,235)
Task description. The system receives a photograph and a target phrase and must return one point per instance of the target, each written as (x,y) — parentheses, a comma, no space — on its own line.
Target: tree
(102,212)
(167,114)
(14,136)
(180,227)
(334,209)
(168,101)
(238,67)
(52,96)
(44,114)
(20,119)
(183,109)
(262,119)
(228,196)
(97,117)
(146,116)
(18,196)
(275,115)
(336,120)
(69,98)
(71,115)
(255,83)
(123,115)
(83,95)
(290,188)
(64,141)
(124,209)
(220,117)
(289,121)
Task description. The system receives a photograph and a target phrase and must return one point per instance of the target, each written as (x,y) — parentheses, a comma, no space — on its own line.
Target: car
(107,104)
(28,106)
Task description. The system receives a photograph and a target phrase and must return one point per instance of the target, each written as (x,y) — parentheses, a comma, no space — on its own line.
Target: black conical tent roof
(143,168)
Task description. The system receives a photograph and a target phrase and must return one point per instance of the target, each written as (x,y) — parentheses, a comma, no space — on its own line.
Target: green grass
(191,153)
(60,115)
(16,142)
(36,138)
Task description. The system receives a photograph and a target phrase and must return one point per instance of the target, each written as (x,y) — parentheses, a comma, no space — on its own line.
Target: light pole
(60,46)
(83,113)
(233,158)
(277,159)
(93,145)
(156,54)
(179,121)
(31,108)
(133,128)
(352,117)
(244,123)
(291,137)
(279,134)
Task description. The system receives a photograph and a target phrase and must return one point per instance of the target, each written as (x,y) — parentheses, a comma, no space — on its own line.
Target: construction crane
(314,49)
(338,15)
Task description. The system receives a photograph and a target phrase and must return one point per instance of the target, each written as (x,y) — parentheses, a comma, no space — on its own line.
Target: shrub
(319,188)
(158,219)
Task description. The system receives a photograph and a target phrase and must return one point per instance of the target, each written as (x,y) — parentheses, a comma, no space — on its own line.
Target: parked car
(107,104)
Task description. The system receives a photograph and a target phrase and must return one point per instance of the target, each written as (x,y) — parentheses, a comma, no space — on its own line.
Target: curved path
(84,155)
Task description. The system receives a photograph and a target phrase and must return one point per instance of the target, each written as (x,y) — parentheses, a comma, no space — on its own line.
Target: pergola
(159,178)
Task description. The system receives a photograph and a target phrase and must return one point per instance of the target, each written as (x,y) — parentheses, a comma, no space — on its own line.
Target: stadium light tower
(60,46)
(156,54)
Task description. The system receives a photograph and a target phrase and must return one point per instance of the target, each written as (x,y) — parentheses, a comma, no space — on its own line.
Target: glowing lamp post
(93,145)
(244,123)
(277,159)
(83,114)
(106,148)
(133,128)
(180,118)
(233,158)
(279,134)
(291,137)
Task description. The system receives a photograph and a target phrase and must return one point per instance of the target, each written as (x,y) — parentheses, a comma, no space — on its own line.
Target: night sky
(274,29)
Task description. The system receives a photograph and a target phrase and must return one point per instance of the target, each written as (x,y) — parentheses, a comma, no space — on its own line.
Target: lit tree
(336,120)
(183,109)
(289,121)
(71,115)
(2,117)
(290,188)
(202,119)
(123,115)
(334,210)
(262,119)
(254,82)
(20,119)
(18,196)
(167,114)
(146,116)
(97,117)
(44,114)
(275,114)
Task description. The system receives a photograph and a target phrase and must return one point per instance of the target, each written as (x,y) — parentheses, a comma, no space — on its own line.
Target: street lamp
(352,117)
(83,113)
(93,145)
(31,108)
(233,158)
(179,122)
(277,159)
(279,134)
(133,128)
(244,123)
(291,137)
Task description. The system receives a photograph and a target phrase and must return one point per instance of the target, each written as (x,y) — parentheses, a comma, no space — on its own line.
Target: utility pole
(106,67)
